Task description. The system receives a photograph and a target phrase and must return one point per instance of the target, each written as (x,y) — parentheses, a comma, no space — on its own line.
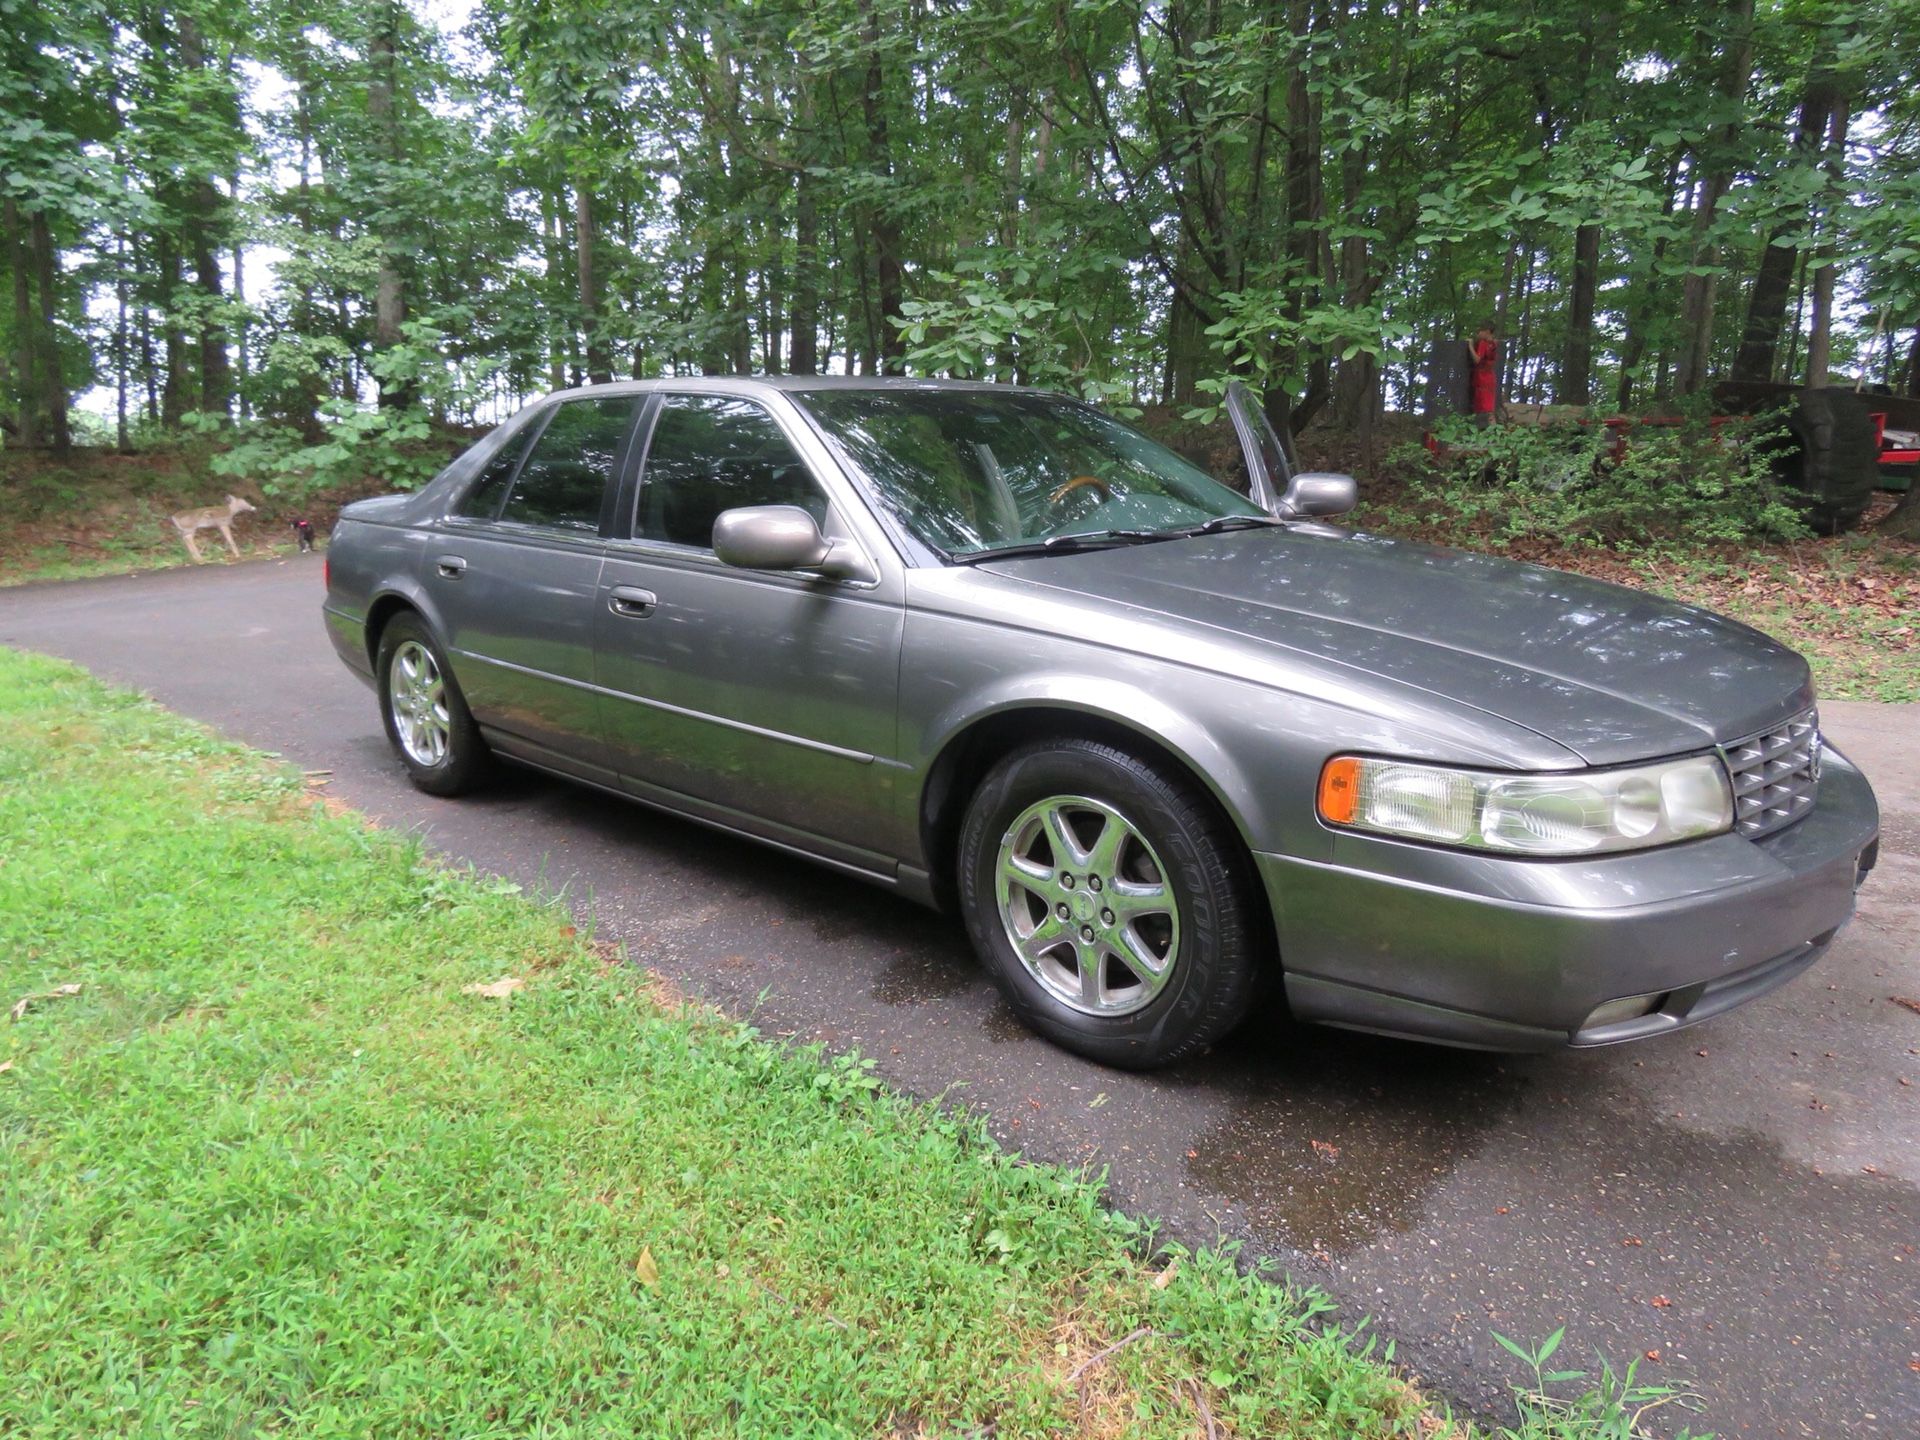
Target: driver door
(763,701)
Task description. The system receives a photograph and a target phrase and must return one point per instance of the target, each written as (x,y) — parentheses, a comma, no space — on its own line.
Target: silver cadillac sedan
(1162,738)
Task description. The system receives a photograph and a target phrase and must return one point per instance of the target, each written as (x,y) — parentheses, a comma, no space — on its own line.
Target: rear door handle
(452,566)
(631,600)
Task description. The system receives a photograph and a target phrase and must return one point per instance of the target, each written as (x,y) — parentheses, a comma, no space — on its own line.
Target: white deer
(211,517)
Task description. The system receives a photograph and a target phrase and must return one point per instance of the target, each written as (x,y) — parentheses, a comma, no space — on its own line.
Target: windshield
(973,471)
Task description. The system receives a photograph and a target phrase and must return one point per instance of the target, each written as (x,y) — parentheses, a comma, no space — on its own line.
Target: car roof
(760,384)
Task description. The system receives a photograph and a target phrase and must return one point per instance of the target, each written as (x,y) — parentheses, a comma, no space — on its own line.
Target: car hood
(1612,674)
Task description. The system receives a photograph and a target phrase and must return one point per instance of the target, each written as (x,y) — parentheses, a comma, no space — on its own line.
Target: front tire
(1111,901)
(426,716)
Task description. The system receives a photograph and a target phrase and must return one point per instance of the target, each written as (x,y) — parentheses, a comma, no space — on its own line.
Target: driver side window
(711,453)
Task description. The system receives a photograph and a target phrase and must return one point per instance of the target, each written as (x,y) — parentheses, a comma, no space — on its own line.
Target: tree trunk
(1903,521)
(53,382)
(1306,213)
(1820,336)
(1913,369)
(889,272)
(25,366)
(216,383)
(1357,382)
(1635,349)
(1773,280)
(203,206)
(389,288)
(1697,294)
(1576,371)
(805,340)
(585,233)
(240,300)
(120,345)
(149,368)
(557,287)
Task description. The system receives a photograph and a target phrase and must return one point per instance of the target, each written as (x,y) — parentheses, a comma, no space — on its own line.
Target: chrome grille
(1775,775)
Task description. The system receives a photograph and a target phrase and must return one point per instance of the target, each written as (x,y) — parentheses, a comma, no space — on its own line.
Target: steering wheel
(1081,482)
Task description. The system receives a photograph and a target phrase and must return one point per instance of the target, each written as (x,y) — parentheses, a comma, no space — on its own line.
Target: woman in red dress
(1483,353)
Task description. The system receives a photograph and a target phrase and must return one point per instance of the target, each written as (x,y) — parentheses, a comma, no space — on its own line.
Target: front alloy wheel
(1087,906)
(1112,900)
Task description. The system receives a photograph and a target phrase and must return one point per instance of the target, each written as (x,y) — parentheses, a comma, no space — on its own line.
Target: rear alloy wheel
(426,716)
(1111,901)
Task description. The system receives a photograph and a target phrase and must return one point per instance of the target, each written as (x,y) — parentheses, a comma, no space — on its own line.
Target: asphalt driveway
(1739,1204)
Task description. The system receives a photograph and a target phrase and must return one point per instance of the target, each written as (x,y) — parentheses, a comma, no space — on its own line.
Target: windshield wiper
(1227,522)
(1065,544)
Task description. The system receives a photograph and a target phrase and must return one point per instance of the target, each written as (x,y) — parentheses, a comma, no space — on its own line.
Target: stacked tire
(1828,453)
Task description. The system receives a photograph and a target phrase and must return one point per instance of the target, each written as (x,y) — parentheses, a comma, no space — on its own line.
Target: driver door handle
(451,566)
(631,601)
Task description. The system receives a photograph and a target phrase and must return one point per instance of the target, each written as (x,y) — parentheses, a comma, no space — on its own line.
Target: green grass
(272,1169)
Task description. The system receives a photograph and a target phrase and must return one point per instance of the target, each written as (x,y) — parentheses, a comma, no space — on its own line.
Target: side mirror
(1318,493)
(781,537)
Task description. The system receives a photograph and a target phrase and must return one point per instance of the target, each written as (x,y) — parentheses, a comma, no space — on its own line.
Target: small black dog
(304,529)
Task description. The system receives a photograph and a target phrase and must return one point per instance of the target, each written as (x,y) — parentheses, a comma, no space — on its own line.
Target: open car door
(1275,486)
(1267,469)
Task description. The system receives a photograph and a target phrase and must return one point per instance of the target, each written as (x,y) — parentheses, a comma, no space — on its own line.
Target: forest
(327,226)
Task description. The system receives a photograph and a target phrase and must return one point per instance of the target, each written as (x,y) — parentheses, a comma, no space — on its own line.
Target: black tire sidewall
(466,756)
(1213,980)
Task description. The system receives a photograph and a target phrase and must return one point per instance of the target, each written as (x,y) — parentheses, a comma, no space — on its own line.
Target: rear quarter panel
(368,562)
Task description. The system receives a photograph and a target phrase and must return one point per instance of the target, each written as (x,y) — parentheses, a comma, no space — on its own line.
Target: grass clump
(273,1161)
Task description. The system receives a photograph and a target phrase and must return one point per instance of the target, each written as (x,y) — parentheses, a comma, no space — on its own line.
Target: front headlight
(1583,812)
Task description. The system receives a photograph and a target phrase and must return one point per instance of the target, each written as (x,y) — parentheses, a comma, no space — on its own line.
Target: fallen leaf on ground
(1326,1148)
(20,1005)
(1660,1302)
(498,990)
(1902,1000)
(644,1269)
(1165,1277)
(5,1065)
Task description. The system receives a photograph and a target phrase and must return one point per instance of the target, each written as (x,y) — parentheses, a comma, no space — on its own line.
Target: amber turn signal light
(1339,798)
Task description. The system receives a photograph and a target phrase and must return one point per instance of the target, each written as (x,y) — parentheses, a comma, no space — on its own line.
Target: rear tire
(426,716)
(1111,901)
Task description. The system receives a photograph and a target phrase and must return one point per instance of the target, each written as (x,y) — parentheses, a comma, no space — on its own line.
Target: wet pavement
(1736,1206)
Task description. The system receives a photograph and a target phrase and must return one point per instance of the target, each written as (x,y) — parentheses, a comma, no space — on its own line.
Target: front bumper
(1505,954)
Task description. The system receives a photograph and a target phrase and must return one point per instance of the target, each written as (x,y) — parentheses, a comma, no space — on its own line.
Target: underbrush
(100,512)
(1657,488)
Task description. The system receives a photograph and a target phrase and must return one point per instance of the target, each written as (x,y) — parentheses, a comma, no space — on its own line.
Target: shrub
(394,446)
(1687,484)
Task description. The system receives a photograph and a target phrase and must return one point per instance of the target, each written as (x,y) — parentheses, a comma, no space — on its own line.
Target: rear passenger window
(711,453)
(482,502)
(566,477)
